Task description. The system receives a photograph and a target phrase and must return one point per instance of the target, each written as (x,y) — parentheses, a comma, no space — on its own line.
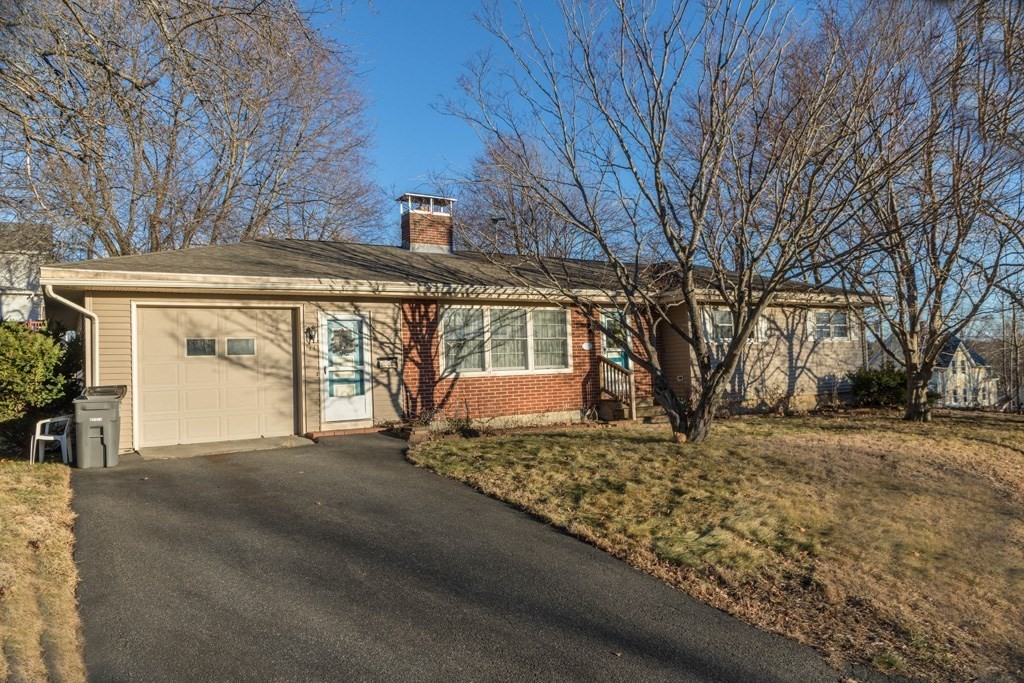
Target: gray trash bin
(98,425)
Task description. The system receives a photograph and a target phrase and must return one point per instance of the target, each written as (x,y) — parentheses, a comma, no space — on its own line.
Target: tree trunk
(918,409)
(701,419)
(688,426)
(676,410)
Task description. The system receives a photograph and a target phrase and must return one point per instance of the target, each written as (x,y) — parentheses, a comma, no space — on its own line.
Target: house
(963,378)
(278,336)
(23,249)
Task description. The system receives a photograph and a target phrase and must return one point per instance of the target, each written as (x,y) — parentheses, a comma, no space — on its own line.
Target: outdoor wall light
(310,333)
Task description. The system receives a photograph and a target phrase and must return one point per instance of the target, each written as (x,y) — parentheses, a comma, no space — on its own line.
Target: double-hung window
(508,339)
(721,324)
(831,325)
(463,334)
(550,339)
(504,339)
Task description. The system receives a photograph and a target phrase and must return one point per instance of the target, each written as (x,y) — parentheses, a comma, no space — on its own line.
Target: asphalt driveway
(341,561)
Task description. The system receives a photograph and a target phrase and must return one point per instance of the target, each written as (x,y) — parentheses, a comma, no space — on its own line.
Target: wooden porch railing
(617,382)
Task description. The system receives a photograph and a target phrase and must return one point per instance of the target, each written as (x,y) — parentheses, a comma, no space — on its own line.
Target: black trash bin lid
(106,391)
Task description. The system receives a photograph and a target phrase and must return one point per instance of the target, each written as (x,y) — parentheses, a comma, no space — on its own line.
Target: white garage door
(214,374)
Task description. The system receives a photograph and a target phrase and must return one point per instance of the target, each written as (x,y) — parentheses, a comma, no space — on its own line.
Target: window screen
(508,338)
(550,339)
(463,335)
(831,325)
(721,324)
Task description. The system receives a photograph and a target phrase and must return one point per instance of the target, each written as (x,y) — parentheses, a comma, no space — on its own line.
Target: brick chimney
(426,223)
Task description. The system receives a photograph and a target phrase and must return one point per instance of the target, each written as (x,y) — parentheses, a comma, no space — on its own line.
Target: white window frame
(530,340)
(489,370)
(442,351)
(812,320)
(227,342)
(488,337)
(758,335)
(712,325)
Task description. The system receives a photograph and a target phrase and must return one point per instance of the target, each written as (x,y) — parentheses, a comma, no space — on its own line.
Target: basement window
(200,348)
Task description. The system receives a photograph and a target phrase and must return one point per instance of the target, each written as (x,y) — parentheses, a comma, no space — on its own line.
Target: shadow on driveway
(341,561)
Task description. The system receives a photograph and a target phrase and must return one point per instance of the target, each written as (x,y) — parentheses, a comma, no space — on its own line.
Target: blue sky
(410,54)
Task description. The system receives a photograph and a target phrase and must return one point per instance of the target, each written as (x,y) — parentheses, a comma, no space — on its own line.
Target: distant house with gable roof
(24,248)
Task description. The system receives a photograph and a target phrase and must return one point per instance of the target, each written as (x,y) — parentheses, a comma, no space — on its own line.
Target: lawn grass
(40,632)
(895,545)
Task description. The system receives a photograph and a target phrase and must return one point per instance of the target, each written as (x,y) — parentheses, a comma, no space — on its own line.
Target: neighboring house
(963,378)
(23,249)
(278,336)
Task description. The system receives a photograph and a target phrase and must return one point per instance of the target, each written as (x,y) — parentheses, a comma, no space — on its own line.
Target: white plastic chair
(53,429)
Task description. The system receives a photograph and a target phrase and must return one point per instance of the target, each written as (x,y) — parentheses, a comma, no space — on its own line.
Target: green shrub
(885,386)
(29,370)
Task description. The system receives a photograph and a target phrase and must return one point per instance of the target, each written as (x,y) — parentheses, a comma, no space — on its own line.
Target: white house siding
(963,384)
(20,299)
(20,306)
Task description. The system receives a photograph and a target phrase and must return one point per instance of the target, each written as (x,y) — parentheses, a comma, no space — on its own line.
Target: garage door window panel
(200,347)
(241,347)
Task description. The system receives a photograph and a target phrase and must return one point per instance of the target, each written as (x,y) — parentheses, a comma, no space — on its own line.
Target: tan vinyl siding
(790,362)
(116,363)
(785,361)
(115,313)
(385,330)
(385,322)
(676,353)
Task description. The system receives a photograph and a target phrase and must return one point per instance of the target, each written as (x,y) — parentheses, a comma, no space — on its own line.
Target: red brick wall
(425,228)
(494,395)
(642,378)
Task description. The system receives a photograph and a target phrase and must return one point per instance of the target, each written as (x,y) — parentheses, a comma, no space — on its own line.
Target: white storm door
(345,385)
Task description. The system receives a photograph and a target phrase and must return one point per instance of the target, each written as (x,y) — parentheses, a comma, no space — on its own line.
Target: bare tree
(948,209)
(696,149)
(145,125)
(498,214)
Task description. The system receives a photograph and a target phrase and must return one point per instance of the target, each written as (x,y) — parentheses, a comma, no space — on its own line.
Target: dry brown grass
(40,632)
(894,545)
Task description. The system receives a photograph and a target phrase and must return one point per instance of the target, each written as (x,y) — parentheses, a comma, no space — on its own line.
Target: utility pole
(1015,346)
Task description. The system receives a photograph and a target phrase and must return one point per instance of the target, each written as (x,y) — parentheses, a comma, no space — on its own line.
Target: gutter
(94,346)
(81,278)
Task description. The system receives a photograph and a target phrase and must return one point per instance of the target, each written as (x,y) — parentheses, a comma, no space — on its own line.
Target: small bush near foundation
(462,426)
(40,372)
(884,387)
(29,366)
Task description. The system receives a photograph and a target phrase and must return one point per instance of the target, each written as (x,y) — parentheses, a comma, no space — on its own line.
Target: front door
(346,377)
(611,349)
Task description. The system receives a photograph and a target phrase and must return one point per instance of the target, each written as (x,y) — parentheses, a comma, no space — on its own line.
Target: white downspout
(94,345)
